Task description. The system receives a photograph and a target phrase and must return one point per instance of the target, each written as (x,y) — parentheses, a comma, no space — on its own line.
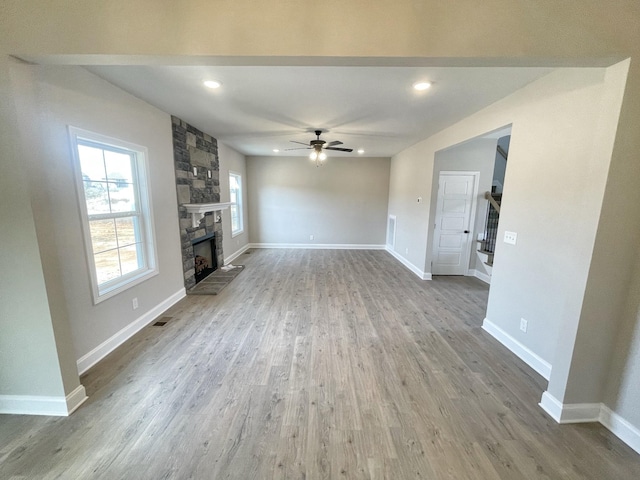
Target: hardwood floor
(315,364)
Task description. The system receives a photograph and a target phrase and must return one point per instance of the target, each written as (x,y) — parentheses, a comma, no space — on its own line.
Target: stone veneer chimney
(193,148)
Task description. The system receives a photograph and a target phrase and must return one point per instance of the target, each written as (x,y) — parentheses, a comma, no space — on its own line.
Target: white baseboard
(529,357)
(43,405)
(319,246)
(551,405)
(569,413)
(479,275)
(620,427)
(33,405)
(420,273)
(592,412)
(236,254)
(105,348)
(76,398)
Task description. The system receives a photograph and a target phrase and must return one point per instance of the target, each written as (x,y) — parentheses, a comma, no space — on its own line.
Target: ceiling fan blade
(333,144)
(305,144)
(299,148)
(340,149)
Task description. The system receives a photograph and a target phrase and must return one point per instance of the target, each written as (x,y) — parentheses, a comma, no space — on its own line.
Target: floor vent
(162,322)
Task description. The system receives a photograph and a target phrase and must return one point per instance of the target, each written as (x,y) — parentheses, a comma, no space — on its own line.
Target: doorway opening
(465,215)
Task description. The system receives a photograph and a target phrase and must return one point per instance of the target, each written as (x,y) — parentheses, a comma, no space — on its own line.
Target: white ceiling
(262,108)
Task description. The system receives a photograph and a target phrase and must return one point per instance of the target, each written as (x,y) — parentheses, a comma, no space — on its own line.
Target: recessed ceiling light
(212,84)
(360,151)
(421,86)
(276,150)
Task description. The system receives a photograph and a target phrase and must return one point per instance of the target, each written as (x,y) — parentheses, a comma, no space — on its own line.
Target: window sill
(235,234)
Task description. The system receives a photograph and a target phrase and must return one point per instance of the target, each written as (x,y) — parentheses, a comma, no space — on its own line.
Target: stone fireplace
(197,182)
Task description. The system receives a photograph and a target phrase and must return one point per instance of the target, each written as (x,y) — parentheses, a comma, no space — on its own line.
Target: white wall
(73,96)
(476,155)
(342,202)
(230,160)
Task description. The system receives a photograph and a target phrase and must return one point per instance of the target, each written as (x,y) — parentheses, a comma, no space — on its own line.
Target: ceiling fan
(318,146)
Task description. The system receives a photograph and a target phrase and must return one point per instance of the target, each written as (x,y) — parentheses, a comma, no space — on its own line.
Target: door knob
(466,231)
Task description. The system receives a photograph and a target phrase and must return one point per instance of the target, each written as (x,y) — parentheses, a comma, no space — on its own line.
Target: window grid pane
(235,224)
(103,235)
(126,231)
(107,266)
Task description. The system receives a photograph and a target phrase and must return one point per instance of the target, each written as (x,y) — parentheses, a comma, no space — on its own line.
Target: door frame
(472,215)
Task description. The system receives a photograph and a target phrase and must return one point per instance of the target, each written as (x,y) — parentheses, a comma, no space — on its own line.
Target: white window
(116,215)
(235,197)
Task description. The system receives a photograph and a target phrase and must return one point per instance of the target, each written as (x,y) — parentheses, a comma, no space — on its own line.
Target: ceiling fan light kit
(318,146)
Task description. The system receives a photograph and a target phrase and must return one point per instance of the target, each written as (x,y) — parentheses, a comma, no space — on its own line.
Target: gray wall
(29,362)
(476,155)
(563,123)
(342,202)
(230,160)
(553,122)
(623,386)
(73,96)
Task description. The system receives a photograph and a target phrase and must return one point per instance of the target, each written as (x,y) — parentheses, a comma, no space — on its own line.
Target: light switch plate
(510,237)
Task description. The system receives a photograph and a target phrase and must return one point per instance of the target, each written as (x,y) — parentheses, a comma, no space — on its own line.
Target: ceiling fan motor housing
(318,145)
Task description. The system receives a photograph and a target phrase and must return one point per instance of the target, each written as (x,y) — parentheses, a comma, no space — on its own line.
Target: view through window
(235,196)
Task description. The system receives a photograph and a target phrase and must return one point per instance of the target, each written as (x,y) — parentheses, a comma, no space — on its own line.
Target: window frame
(238,204)
(140,174)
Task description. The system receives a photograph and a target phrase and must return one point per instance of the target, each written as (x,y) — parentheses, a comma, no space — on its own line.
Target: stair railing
(488,244)
(492,201)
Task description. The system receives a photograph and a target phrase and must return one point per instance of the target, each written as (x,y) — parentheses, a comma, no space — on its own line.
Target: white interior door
(453,232)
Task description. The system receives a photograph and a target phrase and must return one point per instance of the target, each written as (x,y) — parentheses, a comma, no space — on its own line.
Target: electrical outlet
(310,237)
(524,325)
(406,251)
(510,237)
(134,302)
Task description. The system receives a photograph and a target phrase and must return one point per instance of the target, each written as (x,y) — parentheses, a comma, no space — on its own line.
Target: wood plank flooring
(315,364)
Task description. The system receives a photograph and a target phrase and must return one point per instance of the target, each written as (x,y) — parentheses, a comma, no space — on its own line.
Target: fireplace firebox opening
(204,254)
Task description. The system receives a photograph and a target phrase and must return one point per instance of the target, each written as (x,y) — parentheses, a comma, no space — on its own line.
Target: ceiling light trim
(422,85)
(212,84)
